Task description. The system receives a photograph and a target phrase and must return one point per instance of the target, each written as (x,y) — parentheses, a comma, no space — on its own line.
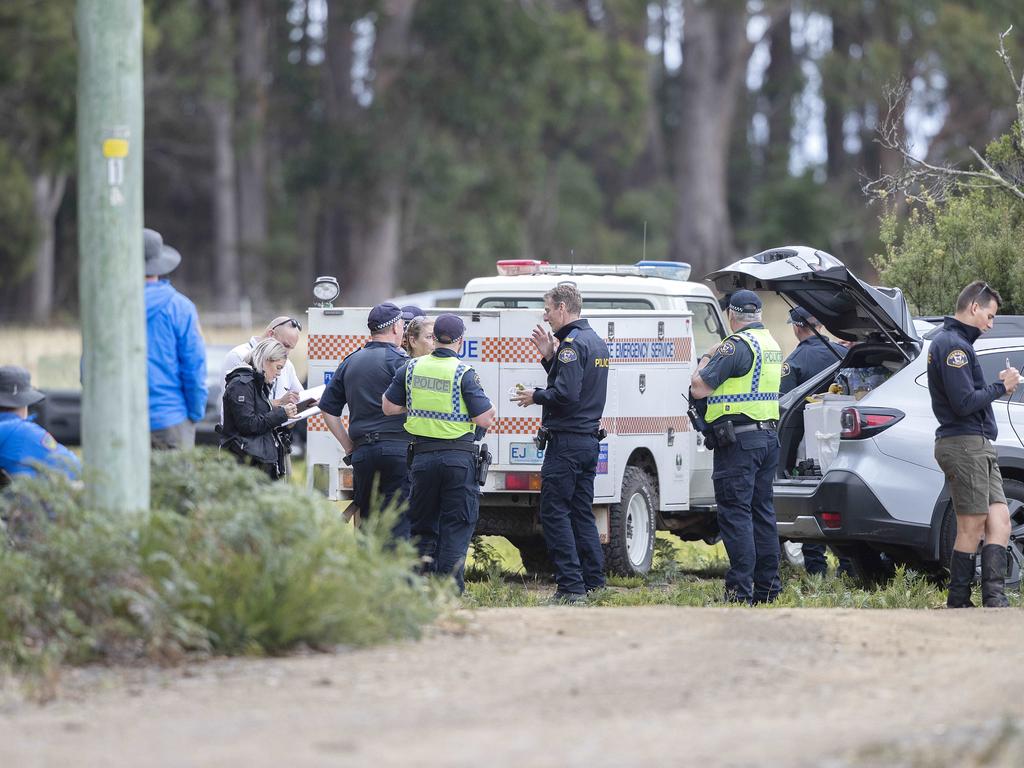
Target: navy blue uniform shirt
(359,382)
(577,380)
(476,401)
(811,357)
(961,400)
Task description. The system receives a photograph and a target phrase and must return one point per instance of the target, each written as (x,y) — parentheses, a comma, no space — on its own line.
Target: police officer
(24,445)
(442,400)
(813,354)
(962,403)
(740,379)
(576,361)
(375,443)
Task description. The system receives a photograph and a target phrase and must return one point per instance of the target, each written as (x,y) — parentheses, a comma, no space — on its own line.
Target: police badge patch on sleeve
(785,369)
(956,359)
(48,442)
(567,355)
(728,348)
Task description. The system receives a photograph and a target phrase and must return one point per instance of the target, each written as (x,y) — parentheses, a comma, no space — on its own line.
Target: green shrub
(225,562)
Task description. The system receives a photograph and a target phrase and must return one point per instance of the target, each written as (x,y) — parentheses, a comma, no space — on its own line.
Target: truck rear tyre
(632,524)
(534,553)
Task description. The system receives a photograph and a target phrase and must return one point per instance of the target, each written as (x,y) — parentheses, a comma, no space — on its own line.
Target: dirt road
(553,687)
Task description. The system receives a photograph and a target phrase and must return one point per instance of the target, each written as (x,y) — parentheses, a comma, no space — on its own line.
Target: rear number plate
(525,453)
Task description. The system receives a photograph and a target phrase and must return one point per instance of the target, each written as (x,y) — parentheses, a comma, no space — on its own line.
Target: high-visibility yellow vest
(755,394)
(433,398)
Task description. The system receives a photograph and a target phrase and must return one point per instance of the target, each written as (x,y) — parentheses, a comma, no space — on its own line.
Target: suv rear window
(506,302)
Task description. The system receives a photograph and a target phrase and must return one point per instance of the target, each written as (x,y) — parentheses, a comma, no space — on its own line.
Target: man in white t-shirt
(287,387)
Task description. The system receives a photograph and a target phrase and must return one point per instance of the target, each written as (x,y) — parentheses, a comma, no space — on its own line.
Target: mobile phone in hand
(306,404)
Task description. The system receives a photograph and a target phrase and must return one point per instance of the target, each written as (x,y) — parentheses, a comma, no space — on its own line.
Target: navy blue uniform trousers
(444,508)
(746,517)
(382,463)
(567,513)
(816,564)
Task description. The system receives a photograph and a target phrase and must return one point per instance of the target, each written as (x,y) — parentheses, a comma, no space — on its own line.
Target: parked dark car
(61,412)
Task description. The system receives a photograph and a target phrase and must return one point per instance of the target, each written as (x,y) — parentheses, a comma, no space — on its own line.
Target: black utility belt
(772,425)
(379,437)
(444,445)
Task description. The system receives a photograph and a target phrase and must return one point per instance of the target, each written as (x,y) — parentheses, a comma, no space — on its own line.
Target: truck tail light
(522,481)
(832,519)
(860,423)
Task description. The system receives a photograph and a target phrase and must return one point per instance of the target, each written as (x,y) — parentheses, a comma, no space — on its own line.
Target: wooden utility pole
(115,418)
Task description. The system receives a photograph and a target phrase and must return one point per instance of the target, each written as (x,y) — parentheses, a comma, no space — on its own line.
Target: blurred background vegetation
(404,145)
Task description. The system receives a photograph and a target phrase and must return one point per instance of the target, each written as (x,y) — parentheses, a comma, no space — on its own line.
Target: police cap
(383,316)
(801,317)
(448,328)
(745,301)
(409,311)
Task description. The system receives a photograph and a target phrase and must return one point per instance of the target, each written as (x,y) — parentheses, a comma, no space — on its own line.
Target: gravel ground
(566,686)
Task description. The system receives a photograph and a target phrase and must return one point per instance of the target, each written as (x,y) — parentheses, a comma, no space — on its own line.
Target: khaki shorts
(972,472)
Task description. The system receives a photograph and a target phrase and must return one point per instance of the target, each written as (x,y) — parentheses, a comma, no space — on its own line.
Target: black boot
(993,576)
(961,574)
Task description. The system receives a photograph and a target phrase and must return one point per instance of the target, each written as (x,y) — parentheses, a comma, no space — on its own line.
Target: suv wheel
(632,524)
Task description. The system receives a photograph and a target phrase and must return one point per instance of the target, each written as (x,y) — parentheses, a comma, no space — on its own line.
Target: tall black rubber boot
(993,576)
(961,574)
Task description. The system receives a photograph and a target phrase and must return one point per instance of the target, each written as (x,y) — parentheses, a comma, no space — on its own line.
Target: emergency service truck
(653,470)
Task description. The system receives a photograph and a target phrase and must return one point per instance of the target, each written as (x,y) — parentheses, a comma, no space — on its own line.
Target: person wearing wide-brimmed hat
(25,446)
(175,352)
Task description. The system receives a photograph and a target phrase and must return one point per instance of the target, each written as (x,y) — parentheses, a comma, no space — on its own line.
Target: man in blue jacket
(962,404)
(176,355)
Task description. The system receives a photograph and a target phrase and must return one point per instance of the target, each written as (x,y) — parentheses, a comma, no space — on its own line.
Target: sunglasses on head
(293,323)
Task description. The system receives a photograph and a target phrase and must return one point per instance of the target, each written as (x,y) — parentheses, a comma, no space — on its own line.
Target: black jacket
(577,380)
(250,420)
(961,400)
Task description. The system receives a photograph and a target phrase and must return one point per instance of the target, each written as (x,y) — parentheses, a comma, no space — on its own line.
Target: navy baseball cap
(803,318)
(409,311)
(745,301)
(383,316)
(448,328)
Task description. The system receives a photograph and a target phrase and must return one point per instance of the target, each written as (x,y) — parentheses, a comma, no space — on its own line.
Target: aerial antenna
(645,240)
(572,261)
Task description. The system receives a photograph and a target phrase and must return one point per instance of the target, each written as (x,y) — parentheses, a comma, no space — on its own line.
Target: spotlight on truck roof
(325,290)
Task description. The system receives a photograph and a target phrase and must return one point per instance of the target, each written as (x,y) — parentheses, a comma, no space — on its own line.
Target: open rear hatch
(849,309)
(847,306)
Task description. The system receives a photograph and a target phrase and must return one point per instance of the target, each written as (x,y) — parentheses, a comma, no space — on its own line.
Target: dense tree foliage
(406,144)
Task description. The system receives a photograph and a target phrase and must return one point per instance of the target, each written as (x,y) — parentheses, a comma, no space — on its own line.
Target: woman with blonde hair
(419,337)
(251,422)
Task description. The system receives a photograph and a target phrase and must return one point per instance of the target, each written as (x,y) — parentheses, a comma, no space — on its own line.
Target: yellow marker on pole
(115,148)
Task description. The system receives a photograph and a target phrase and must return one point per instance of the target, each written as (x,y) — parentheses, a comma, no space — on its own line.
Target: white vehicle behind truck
(653,471)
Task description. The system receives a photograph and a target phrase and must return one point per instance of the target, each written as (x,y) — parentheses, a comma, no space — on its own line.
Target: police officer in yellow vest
(740,379)
(445,410)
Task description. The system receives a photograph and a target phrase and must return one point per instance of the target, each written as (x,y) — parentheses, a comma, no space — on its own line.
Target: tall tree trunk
(715,52)
(47,194)
(781,85)
(375,246)
(220,108)
(253,71)
(835,96)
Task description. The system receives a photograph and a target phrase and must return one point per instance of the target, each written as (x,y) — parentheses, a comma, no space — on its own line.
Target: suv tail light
(861,423)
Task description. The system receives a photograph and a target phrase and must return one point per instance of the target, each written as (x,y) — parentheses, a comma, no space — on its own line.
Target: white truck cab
(653,470)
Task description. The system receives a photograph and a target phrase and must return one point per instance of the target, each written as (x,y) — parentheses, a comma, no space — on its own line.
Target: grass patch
(226,562)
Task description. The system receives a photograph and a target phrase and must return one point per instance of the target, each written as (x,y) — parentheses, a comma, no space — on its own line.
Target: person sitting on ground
(419,336)
(25,447)
(251,422)
(287,386)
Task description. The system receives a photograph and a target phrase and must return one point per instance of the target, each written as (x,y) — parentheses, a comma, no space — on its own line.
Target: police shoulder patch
(728,348)
(567,355)
(48,442)
(956,359)
(785,369)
